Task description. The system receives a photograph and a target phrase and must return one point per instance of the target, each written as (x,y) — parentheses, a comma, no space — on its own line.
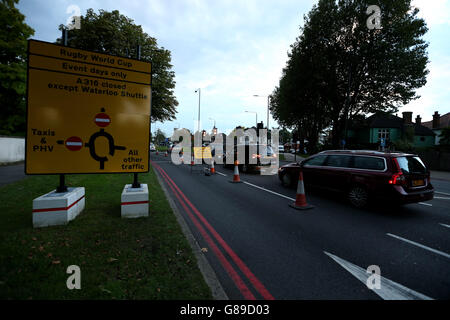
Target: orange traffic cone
(300,200)
(192,160)
(236,178)
(157,153)
(166,154)
(212,171)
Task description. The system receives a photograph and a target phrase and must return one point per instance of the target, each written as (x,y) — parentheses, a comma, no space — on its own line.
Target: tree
(159,136)
(116,34)
(284,135)
(338,68)
(13,70)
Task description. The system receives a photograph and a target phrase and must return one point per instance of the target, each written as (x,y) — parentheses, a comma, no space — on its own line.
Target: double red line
(191,210)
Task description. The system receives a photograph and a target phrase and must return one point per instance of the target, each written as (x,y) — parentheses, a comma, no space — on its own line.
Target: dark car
(362,175)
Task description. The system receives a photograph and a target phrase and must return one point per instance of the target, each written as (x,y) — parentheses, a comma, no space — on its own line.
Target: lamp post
(268,104)
(199,94)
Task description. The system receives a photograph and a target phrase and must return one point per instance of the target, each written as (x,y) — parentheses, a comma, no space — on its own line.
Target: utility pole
(199,95)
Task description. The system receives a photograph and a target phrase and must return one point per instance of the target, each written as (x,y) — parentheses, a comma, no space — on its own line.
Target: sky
(235,49)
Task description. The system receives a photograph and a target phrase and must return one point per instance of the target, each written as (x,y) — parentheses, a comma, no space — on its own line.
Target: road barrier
(300,199)
(236,178)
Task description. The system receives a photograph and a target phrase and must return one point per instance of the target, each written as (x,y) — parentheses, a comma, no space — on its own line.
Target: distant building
(437,124)
(392,129)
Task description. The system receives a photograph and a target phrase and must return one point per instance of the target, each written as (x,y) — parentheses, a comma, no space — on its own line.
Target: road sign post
(87,112)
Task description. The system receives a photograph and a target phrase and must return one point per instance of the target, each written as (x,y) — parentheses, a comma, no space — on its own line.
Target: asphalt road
(260,248)
(9,174)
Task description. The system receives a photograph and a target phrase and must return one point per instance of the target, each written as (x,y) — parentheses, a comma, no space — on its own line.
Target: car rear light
(256,156)
(398,178)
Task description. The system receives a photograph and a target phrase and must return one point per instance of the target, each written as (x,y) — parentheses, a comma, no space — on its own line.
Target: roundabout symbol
(75,143)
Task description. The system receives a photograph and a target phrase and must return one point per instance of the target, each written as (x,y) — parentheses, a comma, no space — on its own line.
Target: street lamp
(268,104)
(199,94)
(256,116)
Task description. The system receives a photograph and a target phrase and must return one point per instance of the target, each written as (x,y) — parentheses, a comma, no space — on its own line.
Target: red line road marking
(253,279)
(226,265)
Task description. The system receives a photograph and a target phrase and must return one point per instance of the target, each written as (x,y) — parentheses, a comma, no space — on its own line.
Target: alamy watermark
(74,281)
(73,21)
(374,20)
(374,280)
(247,146)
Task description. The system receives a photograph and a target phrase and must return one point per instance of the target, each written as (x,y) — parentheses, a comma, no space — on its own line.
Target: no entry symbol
(74,143)
(102,120)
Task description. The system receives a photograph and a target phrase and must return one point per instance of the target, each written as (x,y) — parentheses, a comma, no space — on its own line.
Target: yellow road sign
(202,153)
(80,121)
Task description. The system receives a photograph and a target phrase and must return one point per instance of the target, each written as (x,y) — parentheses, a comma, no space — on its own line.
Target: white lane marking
(420,245)
(444,225)
(389,290)
(425,204)
(267,190)
(441,198)
(446,194)
(261,188)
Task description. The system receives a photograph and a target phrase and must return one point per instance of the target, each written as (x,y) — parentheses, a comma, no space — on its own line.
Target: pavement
(11,173)
(440,175)
(260,248)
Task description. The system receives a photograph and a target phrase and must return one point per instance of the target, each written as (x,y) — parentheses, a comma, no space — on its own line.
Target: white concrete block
(134,201)
(54,209)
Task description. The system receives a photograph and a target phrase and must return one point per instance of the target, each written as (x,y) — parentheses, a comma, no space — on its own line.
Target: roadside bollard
(236,178)
(300,199)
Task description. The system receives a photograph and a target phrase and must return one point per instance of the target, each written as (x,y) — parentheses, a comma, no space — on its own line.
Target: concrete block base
(134,201)
(54,209)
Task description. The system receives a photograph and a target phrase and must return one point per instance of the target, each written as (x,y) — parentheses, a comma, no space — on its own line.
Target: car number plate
(417,183)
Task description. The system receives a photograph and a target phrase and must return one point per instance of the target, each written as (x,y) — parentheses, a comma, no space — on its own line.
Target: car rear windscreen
(411,165)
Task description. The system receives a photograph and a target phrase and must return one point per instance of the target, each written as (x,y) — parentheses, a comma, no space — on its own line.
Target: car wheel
(286,180)
(358,196)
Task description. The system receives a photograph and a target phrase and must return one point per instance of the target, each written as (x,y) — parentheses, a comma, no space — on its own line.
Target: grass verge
(146,258)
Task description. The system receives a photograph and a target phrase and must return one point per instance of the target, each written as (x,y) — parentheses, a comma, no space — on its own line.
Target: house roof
(384,121)
(391,121)
(420,130)
(443,123)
